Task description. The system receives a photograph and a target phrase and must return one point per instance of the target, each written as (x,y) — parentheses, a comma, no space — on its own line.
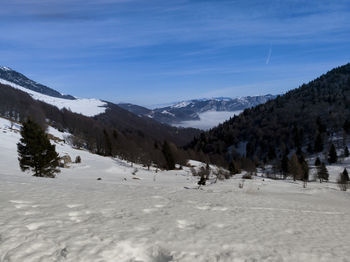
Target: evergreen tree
(346,151)
(294,168)
(343,180)
(272,153)
(305,168)
(345,175)
(318,147)
(317,161)
(284,165)
(322,172)
(233,168)
(332,155)
(108,144)
(168,155)
(35,151)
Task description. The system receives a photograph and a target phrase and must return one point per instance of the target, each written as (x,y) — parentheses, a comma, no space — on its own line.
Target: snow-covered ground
(84,106)
(160,216)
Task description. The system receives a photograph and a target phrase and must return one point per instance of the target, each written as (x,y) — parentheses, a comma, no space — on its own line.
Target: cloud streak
(187,45)
(268,56)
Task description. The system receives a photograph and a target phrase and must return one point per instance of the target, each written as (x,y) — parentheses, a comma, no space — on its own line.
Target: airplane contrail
(269,56)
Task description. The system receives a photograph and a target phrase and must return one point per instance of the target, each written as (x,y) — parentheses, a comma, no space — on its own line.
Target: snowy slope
(152,216)
(87,107)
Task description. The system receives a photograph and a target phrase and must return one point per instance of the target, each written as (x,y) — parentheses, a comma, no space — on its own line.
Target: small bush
(343,180)
(247,176)
(193,171)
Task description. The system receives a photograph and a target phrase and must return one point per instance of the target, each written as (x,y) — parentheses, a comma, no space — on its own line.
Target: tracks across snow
(132,223)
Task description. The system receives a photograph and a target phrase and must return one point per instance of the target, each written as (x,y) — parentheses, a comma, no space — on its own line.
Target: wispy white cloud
(185,45)
(269,56)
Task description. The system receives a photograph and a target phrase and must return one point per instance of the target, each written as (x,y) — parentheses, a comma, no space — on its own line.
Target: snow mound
(84,106)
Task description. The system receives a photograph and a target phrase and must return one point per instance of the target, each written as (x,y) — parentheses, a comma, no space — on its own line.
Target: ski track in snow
(76,218)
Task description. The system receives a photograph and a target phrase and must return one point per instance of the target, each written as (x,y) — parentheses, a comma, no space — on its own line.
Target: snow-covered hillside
(87,107)
(161,216)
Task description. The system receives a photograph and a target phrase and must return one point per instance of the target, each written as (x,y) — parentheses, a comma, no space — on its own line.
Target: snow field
(75,217)
(84,106)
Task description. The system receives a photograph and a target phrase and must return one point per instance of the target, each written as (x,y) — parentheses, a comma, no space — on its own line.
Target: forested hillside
(115,132)
(306,119)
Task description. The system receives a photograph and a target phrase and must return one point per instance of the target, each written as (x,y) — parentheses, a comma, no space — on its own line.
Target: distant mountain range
(191,110)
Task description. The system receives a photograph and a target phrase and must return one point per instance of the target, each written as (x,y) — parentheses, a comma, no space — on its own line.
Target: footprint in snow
(149,210)
(203,207)
(20,203)
(35,226)
(74,205)
(184,224)
(219,208)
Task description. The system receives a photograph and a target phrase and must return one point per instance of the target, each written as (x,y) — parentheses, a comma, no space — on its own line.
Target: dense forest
(306,120)
(116,132)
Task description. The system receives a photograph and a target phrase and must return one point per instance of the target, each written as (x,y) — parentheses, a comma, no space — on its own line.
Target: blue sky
(152,52)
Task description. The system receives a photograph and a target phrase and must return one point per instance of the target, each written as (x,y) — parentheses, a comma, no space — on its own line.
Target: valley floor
(162,216)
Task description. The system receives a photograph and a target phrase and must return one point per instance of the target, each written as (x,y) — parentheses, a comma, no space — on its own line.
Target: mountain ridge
(15,77)
(189,110)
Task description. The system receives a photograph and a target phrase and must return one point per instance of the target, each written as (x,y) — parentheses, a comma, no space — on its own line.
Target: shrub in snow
(193,171)
(322,172)
(35,151)
(343,180)
(248,176)
(234,167)
(135,171)
(221,174)
(78,160)
(65,161)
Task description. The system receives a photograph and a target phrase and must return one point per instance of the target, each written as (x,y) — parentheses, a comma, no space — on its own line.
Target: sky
(152,52)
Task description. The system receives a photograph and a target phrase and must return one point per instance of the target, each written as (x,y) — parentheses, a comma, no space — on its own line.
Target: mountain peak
(5,68)
(17,78)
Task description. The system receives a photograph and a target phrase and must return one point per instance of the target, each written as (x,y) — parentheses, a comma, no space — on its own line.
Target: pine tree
(317,161)
(294,168)
(318,147)
(332,155)
(346,175)
(343,180)
(234,168)
(108,144)
(35,151)
(284,165)
(168,155)
(346,151)
(322,172)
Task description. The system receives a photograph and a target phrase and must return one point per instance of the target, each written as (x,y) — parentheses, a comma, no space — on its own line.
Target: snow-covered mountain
(84,106)
(192,113)
(12,76)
